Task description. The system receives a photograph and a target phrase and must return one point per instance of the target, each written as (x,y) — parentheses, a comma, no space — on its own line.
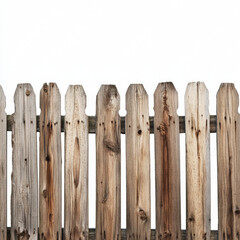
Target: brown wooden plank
(76,165)
(50,190)
(24,198)
(108,164)
(197,161)
(167,162)
(138,163)
(3,167)
(228,148)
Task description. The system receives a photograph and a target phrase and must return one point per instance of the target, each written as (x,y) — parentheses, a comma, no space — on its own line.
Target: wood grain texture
(24,198)
(167,162)
(3,166)
(50,191)
(138,163)
(108,164)
(197,161)
(76,165)
(228,152)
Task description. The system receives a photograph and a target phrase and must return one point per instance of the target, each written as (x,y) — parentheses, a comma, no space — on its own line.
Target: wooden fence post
(228,152)
(76,165)
(197,123)
(3,167)
(167,162)
(24,199)
(108,164)
(50,181)
(137,128)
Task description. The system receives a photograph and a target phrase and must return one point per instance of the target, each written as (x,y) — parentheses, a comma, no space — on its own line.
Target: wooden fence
(36,208)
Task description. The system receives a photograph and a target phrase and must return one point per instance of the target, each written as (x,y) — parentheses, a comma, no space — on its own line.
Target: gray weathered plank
(3,167)
(167,162)
(197,161)
(50,181)
(108,164)
(76,165)
(24,198)
(228,148)
(138,163)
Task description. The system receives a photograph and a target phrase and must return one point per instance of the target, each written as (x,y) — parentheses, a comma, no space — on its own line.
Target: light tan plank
(108,164)
(228,148)
(24,198)
(50,190)
(138,163)
(76,165)
(167,162)
(3,166)
(198,161)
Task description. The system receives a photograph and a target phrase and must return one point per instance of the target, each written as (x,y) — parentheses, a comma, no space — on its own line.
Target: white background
(121,42)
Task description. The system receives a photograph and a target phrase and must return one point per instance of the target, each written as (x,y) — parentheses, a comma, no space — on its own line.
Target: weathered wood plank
(3,166)
(197,161)
(50,191)
(76,165)
(167,162)
(228,148)
(24,198)
(108,164)
(138,163)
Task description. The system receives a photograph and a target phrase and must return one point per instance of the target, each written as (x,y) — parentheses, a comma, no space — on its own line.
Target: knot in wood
(143,215)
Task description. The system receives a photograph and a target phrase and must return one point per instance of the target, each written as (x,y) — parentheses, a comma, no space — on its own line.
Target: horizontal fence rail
(92,124)
(36,192)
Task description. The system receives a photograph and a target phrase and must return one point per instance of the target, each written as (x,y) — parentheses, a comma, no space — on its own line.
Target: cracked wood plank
(24,198)
(108,164)
(138,163)
(76,165)
(197,161)
(228,153)
(50,190)
(167,162)
(3,166)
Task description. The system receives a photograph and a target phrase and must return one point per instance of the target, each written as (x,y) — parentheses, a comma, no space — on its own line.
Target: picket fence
(36,210)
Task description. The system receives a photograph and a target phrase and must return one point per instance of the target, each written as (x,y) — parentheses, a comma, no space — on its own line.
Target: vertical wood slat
(228,152)
(76,165)
(138,163)
(108,164)
(24,198)
(50,181)
(3,167)
(198,161)
(167,162)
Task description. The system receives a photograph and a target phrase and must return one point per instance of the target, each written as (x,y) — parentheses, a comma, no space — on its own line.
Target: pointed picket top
(76,165)
(137,129)
(108,164)
(50,164)
(24,198)
(3,166)
(108,95)
(228,152)
(197,124)
(167,162)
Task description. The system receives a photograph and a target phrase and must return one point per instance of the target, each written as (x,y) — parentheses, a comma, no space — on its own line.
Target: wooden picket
(167,162)
(228,147)
(197,161)
(138,163)
(30,202)
(3,167)
(108,164)
(50,179)
(24,199)
(76,165)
